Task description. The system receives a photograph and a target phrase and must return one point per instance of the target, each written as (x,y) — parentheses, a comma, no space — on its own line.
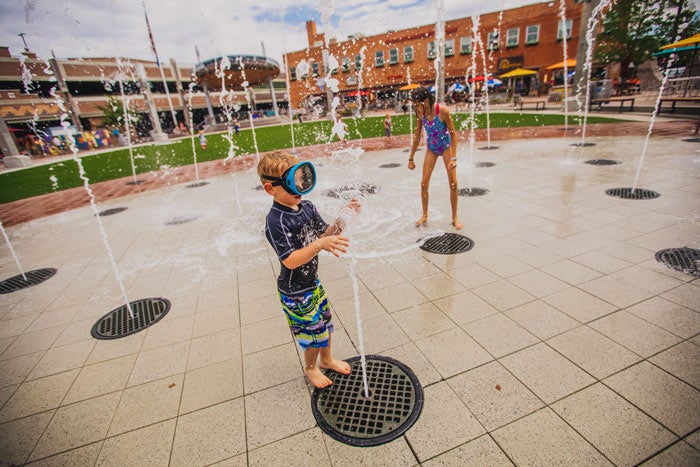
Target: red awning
(356,92)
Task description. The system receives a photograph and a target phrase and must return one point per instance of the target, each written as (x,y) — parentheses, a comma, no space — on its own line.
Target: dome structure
(257,69)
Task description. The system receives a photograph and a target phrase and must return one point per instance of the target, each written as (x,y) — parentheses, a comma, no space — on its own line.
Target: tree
(113,114)
(634,29)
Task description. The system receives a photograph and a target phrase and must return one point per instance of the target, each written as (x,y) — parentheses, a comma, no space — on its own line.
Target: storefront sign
(509,63)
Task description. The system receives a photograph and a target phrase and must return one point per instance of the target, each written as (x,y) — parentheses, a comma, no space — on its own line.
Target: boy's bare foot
(422,221)
(317,379)
(339,366)
(457,224)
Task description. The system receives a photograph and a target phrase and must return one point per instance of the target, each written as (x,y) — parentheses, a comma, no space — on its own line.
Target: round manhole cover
(473,191)
(447,244)
(488,148)
(136,182)
(112,211)
(119,323)
(601,162)
(394,404)
(182,219)
(484,164)
(352,190)
(691,140)
(629,193)
(29,279)
(197,184)
(685,260)
(259,188)
(392,165)
(583,145)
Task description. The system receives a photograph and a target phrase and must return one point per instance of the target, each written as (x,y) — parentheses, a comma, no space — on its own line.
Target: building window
(314,69)
(569,22)
(358,62)
(512,36)
(432,50)
(465,45)
(532,36)
(345,64)
(292,73)
(408,54)
(449,47)
(379,58)
(493,41)
(393,56)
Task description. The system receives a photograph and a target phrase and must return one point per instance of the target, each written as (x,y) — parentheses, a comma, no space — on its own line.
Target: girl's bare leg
(454,193)
(428,166)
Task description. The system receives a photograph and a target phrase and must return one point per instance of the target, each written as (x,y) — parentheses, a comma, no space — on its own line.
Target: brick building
(529,37)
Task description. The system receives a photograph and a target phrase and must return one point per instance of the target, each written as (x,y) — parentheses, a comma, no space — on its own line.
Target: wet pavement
(558,339)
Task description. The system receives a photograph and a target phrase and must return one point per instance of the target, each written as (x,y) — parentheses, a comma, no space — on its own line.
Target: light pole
(22,34)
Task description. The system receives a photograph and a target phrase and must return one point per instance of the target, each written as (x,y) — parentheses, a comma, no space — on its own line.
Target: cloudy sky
(93,28)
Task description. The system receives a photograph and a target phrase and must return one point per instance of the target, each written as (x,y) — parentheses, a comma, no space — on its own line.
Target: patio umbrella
(692,40)
(569,63)
(518,72)
(475,79)
(456,87)
(494,82)
(409,87)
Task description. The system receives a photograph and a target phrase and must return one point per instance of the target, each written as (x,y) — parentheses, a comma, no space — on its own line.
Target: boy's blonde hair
(275,163)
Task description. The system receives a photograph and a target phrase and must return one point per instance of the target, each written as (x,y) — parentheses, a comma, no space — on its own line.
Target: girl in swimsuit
(441,139)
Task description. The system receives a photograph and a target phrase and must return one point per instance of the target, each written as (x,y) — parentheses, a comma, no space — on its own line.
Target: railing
(682,87)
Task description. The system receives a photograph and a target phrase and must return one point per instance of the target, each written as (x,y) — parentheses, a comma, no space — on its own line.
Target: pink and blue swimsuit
(437,134)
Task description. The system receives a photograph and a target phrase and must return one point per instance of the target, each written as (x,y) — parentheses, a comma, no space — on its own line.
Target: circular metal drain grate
(392,165)
(601,162)
(18,282)
(473,191)
(447,244)
(197,184)
(627,193)
(685,260)
(488,148)
(136,182)
(394,404)
(484,164)
(352,190)
(583,145)
(182,219)
(112,211)
(691,140)
(119,323)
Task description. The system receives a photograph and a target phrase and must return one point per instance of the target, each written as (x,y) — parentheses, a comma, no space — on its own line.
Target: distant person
(298,233)
(387,126)
(441,139)
(202,140)
(236,125)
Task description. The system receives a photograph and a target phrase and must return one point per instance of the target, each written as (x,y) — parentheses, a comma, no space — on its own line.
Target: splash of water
(86,184)
(471,71)
(189,109)
(480,48)
(12,251)
(250,107)
(127,119)
(562,16)
(358,319)
(225,98)
(440,44)
(359,77)
(593,21)
(286,81)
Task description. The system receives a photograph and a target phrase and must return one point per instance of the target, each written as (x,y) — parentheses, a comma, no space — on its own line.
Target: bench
(621,100)
(674,100)
(518,103)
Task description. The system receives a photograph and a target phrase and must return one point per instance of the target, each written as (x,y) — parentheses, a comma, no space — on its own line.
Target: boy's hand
(334,244)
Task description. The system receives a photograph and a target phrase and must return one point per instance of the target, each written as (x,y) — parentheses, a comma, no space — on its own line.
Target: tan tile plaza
(557,340)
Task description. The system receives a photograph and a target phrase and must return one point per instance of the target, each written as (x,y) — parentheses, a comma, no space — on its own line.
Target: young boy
(297,232)
(202,140)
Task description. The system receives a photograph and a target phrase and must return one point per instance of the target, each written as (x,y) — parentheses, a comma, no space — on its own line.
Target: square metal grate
(394,403)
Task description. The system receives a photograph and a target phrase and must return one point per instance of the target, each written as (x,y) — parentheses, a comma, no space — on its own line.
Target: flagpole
(160,68)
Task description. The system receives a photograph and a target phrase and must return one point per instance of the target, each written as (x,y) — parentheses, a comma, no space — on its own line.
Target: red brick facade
(537,54)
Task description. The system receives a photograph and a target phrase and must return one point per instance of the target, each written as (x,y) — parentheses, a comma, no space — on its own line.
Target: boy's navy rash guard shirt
(288,230)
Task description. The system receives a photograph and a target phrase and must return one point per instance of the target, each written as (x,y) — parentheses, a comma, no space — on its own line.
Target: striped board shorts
(309,317)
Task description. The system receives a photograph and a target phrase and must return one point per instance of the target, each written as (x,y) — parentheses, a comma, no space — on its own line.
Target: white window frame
(569,25)
(292,73)
(465,45)
(449,47)
(431,50)
(408,54)
(512,37)
(393,56)
(494,41)
(379,58)
(345,64)
(314,69)
(532,30)
(358,62)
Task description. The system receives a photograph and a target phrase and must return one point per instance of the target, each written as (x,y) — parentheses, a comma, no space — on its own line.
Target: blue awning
(671,51)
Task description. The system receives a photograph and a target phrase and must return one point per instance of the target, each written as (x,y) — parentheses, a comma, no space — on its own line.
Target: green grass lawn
(43,179)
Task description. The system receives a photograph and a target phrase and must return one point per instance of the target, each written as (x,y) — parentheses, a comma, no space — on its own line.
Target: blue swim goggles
(299,179)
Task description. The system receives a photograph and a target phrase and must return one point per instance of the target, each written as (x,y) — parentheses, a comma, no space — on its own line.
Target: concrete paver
(557,339)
